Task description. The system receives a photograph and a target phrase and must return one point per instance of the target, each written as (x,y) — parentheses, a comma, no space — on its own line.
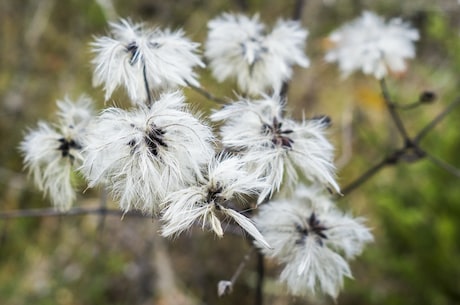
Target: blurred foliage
(414,209)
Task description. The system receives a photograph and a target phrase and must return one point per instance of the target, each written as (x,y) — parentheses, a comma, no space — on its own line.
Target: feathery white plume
(276,147)
(208,200)
(51,153)
(370,44)
(239,47)
(142,60)
(147,152)
(312,239)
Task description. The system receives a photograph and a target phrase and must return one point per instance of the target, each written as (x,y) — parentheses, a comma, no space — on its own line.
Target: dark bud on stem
(427,97)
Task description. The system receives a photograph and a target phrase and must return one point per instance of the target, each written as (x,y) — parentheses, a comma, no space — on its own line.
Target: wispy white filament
(312,239)
(224,182)
(147,152)
(141,60)
(277,147)
(239,47)
(52,152)
(372,45)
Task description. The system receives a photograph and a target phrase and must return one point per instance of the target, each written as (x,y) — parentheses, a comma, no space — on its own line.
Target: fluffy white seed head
(51,153)
(74,117)
(238,47)
(312,239)
(372,45)
(225,182)
(144,153)
(276,147)
(140,59)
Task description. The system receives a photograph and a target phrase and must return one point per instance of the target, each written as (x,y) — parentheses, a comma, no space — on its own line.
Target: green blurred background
(414,209)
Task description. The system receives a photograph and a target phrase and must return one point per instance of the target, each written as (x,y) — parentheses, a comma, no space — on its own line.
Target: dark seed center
(66,145)
(280,137)
(154,139)
(315,227)
(134,50)
(214,196)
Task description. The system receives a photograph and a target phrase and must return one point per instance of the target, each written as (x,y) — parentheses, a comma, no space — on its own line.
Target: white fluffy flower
(276,147)
(51,153)
(210,198)
(143,59)
(146,152)
(238,47)
(373,46)
(312,239)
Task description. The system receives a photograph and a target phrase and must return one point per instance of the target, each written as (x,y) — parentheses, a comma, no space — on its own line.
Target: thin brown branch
(101,211)
(425,98)
(242,265)
(208,94)
(409,153)
(259,297)
(242,4)
(298,9)
(51,212)
(409,106)
(226,287)
(444,165)
(102,205)
(364,177)
(436,120)
(146,85)
(392,109)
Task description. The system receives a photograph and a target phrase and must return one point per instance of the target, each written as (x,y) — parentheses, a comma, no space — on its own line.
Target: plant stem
(242,265)
(102,205)
(392,109)
(147,86)
(444,165)
(51,212)
(298,8)
(260,279)
(363,178)
(208,94)
(436,120)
